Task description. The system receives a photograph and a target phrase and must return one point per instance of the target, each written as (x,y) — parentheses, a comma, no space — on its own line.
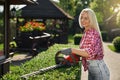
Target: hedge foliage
(77,38)
(116,43)
(42,60)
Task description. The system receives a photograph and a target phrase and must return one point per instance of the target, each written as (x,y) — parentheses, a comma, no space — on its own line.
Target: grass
(1,46)
(42,60)
(111,47)
(71,39)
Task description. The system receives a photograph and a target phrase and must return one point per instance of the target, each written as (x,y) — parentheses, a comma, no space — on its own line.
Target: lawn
(1,46)
(111,47)
(45,59)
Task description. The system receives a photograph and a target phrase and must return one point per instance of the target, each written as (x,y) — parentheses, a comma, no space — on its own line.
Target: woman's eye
(85,18)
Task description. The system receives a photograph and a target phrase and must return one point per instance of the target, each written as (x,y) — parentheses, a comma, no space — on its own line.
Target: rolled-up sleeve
(90,44)
(90,47)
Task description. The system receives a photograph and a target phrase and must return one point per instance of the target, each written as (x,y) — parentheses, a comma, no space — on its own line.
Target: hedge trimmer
(63,58)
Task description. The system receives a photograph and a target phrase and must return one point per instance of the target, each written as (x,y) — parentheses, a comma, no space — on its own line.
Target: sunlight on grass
(1,46)
(42,60)
(71,39)
(111,47)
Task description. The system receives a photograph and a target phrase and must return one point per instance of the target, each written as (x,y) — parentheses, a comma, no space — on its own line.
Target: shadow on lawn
(19,59)
(22,57)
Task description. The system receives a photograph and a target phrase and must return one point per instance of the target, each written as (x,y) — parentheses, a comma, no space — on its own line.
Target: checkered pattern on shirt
(91,43)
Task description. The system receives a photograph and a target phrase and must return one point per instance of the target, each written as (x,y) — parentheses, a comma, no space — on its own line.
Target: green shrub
(13,44)
(42,60)
(116,43)
(104,35)
(77,38)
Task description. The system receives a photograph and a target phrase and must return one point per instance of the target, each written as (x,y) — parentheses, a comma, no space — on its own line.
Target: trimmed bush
(42,60)
(77,38)
(116,43)
(104,35)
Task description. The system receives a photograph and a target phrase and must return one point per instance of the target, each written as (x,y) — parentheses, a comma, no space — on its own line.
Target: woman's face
(85,21)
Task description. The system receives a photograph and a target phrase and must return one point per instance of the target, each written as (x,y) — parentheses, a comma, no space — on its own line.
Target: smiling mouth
(83,23)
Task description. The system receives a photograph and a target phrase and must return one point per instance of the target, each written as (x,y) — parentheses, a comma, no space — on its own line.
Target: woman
(91,47)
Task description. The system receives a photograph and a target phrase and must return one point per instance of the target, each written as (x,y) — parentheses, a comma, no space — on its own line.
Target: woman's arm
(80,52)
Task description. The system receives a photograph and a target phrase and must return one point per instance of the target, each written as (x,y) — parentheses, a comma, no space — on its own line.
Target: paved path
(18,59)
(112,60)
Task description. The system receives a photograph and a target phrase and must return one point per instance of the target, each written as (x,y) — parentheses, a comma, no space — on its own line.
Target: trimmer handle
(69,60)
(66,51)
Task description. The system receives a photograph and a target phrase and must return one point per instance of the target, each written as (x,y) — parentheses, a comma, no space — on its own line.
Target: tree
(106,15)
(114,4)
(104,8)
(68,6)
(81,4)
(118,19)
(74,7)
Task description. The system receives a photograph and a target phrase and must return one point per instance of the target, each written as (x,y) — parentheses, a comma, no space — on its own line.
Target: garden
(42,60)
(109,22)
(46,58)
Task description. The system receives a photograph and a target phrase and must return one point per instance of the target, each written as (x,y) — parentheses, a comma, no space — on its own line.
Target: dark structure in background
(5,62)
(42,11)
(111,27)
(46,9)
(47,13)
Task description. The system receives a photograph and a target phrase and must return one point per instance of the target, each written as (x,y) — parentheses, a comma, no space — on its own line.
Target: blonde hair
(93,20)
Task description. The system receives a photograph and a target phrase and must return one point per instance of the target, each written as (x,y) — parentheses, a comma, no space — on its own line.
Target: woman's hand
(67,51)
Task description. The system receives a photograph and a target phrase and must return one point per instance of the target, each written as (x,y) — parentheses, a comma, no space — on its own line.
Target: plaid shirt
(91,43)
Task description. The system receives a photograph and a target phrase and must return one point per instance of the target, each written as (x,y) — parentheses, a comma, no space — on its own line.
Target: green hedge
(77,38)
(42,60)
(116,43)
